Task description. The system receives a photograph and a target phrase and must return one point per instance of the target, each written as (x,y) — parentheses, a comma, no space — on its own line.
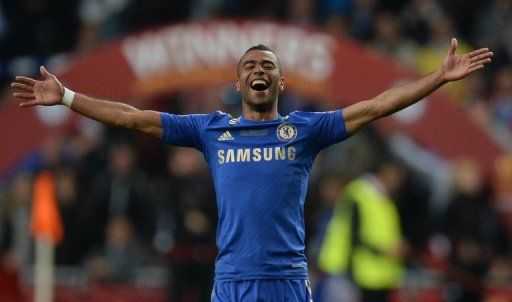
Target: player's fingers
(453,46)
(475,68)
(480,62)
(20,95)
(45,73)
(480,51)
(483,56)
(25,80)
(28,103)
(22,86)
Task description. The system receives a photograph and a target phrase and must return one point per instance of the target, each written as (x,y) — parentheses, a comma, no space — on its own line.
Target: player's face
(259,79)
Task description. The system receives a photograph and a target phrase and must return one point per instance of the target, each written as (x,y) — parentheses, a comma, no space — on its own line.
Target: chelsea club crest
(286,132)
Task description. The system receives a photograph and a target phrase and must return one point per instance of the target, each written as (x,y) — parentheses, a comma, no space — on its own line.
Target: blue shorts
(262,291)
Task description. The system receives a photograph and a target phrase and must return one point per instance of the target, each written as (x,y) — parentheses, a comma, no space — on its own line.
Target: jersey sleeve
(328,128)
(184,130)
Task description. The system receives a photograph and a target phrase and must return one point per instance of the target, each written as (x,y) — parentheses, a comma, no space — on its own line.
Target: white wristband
(68,97)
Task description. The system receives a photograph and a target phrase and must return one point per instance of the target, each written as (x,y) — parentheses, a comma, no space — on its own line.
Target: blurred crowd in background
(129,202)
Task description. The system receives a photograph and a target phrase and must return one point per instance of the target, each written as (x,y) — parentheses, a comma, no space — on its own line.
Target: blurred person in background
(261,191)
(390,41)
(328,190)
(364,239)
(15,218)
(101,20)
(301,12)
(472,228)
(263,9)
(320,201)
(71,249)
(363,18)
(188,220)
(501,97)
(496,14)
(118,259)
(416,16)
(143,13)
(503,192)
(87,152)
(121,190)
(15,242)
(477,104)
(35,27)
(440,27)
(338,25)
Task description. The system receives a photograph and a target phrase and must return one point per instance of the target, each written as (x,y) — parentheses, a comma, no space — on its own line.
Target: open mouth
(259,85)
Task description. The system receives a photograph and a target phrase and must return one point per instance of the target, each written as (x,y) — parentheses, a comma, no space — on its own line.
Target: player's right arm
(50,91)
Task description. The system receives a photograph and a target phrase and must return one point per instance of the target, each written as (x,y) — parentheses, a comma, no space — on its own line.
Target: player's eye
(268,66)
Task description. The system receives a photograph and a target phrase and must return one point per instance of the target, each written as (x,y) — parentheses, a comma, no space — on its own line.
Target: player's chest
(275,146)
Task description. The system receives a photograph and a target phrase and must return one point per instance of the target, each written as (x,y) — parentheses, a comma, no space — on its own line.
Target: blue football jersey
(260,171)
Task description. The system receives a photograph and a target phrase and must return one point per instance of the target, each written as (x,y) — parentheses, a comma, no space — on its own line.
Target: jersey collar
(245,122)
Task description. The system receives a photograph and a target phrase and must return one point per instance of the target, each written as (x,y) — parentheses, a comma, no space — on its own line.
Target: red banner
(170,58)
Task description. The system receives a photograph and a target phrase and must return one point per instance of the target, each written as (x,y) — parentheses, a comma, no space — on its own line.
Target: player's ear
(281,84)
(237,85)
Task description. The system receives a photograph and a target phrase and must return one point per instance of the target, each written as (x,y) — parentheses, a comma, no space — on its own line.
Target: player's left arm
(454,67)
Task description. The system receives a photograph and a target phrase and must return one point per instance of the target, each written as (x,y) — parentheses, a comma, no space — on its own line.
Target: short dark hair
(259,47)
(262,47)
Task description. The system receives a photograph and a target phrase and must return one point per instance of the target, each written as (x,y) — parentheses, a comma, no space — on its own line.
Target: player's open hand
(31,92)
(456,67)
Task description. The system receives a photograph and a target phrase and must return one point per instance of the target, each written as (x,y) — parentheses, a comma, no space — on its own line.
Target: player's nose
(258,69)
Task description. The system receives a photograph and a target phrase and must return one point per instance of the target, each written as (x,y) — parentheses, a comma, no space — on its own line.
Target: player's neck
(252,114)
(260,116)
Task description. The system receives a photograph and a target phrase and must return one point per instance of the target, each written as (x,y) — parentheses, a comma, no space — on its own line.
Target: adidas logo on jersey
(226,136)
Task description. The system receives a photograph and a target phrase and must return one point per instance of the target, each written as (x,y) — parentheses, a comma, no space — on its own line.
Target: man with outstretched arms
(260,162)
